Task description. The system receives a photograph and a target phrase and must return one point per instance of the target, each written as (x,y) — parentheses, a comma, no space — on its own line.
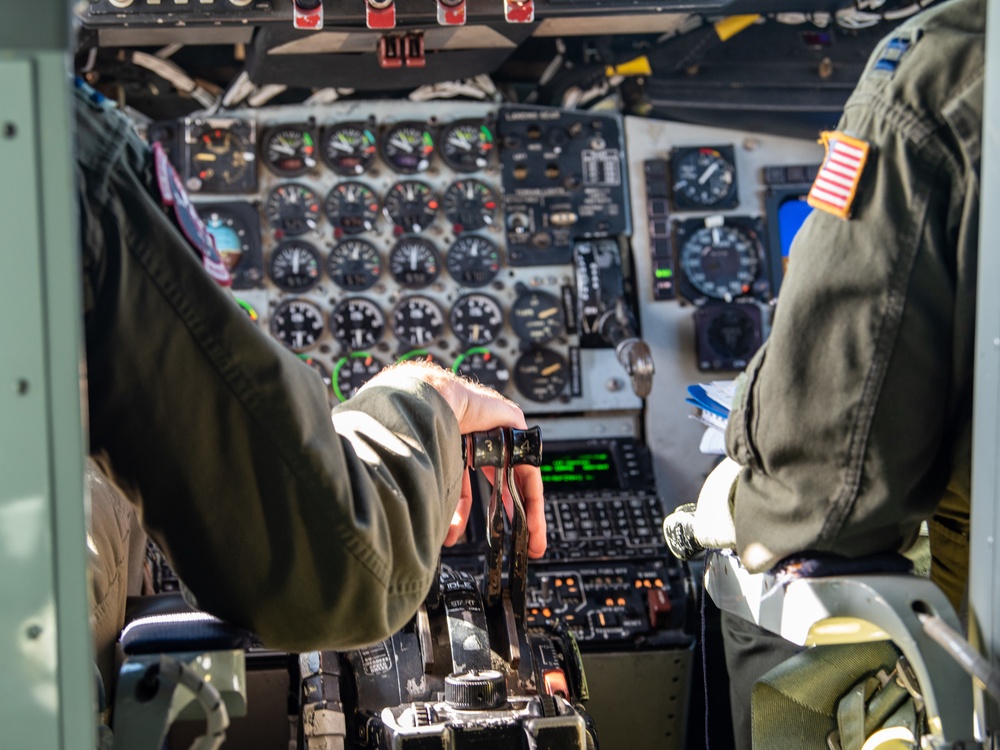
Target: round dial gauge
(473,261)
(349,149)
(289,150)
(297,323)
(411,206)
(537,317)
(417,321)
(222,159)
(292,209)
(295,266)
(732,334)
(720,262)
(354,265)
(469,204)
(466,146)
(414,263)
(541,374)
(231,234)
(483,366)
(703,178)
(352,208)
(408,147)
(476,319)
(352,372)
(318,367)
(357,323)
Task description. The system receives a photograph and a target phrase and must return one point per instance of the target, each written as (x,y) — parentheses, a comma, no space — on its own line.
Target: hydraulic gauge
(541,374)
(319,367)
(354,265)
(537,317)
(704,178)
(221,157)
(297,323)
(411,206)
(352,372)
(349,149)
(352,208)
(469,205)
(476,319)
(483,366)
(289,150)
(417,321)
(473,261)
(235,227)
(357,323)
(466,146)
(719,262)
(295,266)
(414,263)
(408,147)
(292,209)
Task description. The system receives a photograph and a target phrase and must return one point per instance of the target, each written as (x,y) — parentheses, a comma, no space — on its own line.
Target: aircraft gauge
(357,323)
(473,261)
(483,366)
(411,206)
(417,321)
(469,205)
(476,319)
(541,374)
(352,372)
(536,316)
(466,146)
(704,178)
(408,147)
(289,150)
(354,265)
(414,263)
(719,262)
(349,149)
(295,266)
(221,157)
(292,209)
(297,323)
(351,207)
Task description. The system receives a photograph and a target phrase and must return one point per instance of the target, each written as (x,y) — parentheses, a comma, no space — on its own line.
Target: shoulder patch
(175,198)
(836,184)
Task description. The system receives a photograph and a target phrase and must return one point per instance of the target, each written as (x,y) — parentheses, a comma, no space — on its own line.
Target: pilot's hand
(708,524)
(478,409)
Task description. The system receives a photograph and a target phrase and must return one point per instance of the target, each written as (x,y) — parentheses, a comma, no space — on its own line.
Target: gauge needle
(358,337)
(548,313)
(284,147)
(460,143)
(476,329)
(341,146)
(708,173)
(295,263)
(413,257)
(400,143)
(551,369)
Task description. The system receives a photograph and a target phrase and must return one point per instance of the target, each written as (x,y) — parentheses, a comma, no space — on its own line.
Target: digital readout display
(567,470)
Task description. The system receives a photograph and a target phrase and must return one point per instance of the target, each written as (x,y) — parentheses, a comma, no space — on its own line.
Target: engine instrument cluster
(364,233)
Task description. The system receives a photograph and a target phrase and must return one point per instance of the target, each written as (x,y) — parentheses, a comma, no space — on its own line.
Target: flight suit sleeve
(312,530)
(842,419)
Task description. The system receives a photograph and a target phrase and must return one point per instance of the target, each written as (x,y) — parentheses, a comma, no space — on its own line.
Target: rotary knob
(476,689)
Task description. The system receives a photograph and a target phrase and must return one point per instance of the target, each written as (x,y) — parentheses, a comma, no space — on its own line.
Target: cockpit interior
(587,206)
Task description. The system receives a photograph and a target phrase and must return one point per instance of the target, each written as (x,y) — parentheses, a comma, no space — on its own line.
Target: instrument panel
(364,233)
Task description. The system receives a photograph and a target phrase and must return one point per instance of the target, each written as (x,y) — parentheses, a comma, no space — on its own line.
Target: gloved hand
(707,524)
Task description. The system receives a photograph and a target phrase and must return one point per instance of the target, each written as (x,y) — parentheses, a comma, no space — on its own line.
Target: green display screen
(568,470)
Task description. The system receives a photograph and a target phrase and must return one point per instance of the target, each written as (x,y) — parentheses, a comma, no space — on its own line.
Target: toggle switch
(380,14)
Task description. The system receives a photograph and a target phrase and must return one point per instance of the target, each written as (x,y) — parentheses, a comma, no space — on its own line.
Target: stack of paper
(712,402)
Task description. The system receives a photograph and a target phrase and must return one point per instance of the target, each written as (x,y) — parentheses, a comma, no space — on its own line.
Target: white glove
(709,523)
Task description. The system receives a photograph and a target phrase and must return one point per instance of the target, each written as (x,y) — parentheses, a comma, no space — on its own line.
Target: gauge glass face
(318,367)
(357,323)
(484,367)
(411,206)
(351,208)
(541,374)
(222,159)
(408,147)
(352,372)
(537,317)
(476,319)
(354,265)
(295,266)
(417,321)
(703,178)
(414,263)
(231,234)
(297,323)
(467,146)
(469,205)
(292,209)
(473,261)
(289,150)
(349,149)
(732,335)
(720,262)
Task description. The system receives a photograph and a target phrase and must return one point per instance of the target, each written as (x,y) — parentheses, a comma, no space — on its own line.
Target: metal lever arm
(618,328)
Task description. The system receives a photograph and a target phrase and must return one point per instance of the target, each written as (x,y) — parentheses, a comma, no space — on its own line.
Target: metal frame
(47,673)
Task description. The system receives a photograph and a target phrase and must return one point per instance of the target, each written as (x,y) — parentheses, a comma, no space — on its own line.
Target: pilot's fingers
(479,408)
(461,517)
(529,485)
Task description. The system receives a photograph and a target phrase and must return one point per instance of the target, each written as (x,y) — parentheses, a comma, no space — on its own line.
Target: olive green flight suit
(854,421)
(310,531)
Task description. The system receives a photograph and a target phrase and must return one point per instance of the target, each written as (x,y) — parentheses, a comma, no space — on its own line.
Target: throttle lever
(489,449)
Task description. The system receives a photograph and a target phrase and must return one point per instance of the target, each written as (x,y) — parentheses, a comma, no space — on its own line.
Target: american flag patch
(835,186)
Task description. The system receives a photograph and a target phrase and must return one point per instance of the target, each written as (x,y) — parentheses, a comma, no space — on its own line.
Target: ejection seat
(861,608)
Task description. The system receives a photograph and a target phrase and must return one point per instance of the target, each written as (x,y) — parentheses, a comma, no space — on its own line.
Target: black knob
(477,689)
